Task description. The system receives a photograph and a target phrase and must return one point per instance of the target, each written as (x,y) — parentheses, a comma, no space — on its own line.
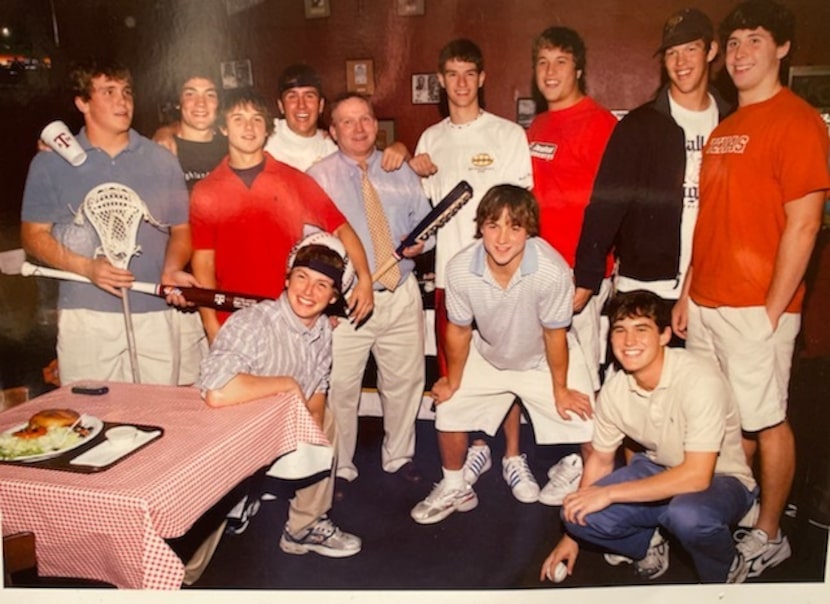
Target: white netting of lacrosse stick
(115,212)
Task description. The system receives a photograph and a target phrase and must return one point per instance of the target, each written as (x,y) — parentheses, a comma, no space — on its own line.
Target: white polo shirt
(691,409)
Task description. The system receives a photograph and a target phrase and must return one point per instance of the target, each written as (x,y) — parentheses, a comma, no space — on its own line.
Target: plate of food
(47,434)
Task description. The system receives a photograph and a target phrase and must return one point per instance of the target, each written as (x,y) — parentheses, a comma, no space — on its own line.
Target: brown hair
(322,259)
(639,303)
(82,74)
(520,204)
(246,97)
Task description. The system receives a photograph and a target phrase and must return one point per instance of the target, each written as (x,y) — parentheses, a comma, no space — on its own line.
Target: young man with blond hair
(566,146)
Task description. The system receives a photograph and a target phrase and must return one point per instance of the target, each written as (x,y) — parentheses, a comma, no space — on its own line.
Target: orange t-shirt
(758,159)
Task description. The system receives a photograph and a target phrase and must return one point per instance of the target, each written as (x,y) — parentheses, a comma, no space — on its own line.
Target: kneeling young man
(692,478)
(284,345)
(519,292)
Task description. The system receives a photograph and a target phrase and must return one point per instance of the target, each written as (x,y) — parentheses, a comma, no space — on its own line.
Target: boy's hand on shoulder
(394,156)
(422,165)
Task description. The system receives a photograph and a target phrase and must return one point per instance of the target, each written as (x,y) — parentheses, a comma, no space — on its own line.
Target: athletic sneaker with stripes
(756,553)
(477,463)
(442,501)
(322,537)
(520,479)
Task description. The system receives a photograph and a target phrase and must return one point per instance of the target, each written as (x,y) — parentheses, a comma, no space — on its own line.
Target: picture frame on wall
(236,74)
(410,8)
(812,83)
(426,89)
(525,111)
(386,134)
(360,76)
(317,9)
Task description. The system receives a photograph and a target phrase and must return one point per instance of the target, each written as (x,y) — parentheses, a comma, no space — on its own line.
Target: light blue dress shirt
(400,192)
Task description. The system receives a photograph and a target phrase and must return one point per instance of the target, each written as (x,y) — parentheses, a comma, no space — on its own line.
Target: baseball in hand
(560,572)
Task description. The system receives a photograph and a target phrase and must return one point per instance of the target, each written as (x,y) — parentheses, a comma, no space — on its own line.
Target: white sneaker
(323,537)
(477,463)
(756,553)
(653,565)
(442,502)
(520,479)
(564,478)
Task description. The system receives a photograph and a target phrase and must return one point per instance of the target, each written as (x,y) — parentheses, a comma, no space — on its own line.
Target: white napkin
(107,452)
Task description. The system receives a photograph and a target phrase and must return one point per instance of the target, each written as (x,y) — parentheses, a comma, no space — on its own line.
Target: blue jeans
(702,522)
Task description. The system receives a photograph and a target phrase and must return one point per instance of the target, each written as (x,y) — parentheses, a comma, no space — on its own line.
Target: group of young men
(282,209)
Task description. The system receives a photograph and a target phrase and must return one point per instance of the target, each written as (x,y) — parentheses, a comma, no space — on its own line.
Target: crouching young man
(284,345)
(519,292)
(692,479)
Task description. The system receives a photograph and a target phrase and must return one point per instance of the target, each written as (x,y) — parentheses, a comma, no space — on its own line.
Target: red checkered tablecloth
(112,525)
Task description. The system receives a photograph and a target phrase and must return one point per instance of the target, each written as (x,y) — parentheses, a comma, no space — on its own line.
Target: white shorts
(193,345)
(92,345)
(591,331)
(755,360)
(486,394)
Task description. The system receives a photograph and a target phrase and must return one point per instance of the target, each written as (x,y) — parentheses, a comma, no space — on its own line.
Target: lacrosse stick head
(115,212)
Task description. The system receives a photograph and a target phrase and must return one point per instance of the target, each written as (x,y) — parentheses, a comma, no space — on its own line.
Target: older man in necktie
(382,207)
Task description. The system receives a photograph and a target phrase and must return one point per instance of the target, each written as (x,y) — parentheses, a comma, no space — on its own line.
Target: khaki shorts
(486,394)
(755,359)
(92,345)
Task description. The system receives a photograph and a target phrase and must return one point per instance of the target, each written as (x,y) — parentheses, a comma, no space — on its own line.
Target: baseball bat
(437,217)
(218,299)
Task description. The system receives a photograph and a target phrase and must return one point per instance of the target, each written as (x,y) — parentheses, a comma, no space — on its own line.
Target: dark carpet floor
(501,544)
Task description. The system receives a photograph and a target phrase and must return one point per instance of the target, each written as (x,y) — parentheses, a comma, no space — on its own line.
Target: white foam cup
(60,139)
(122,436)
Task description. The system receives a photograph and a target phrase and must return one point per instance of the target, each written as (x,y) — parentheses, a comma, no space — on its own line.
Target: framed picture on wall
(426,89)
(525,111)
(315,9)
(236,74)
(410,8)
(386,134)
(360,76)
(812,83)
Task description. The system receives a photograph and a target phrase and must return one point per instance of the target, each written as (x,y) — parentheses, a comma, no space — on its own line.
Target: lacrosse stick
(116,212)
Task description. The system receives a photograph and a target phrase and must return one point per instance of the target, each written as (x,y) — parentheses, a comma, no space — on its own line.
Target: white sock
(454,479)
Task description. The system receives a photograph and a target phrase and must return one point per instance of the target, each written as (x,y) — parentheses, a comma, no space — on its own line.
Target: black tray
(62,462)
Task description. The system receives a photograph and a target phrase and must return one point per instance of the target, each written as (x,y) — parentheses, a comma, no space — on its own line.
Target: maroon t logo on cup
(58,137)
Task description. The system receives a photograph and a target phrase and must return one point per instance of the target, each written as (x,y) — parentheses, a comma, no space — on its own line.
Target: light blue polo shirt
(510,321)
(55,190)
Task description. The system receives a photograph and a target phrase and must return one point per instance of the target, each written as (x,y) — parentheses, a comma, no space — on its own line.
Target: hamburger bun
(53,418)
